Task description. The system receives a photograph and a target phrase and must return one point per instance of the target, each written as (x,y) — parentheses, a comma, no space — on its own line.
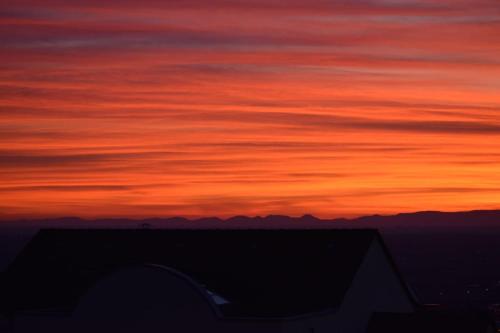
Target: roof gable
(263,273)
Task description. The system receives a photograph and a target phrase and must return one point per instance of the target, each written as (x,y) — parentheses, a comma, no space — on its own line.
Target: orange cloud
(221,108)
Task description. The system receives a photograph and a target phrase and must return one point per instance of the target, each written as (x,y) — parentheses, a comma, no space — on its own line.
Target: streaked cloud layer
(161,108)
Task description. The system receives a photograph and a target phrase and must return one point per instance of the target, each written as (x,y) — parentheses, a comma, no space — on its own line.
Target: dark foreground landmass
(447,258)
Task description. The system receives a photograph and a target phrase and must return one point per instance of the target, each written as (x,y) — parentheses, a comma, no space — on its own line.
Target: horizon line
(222,219)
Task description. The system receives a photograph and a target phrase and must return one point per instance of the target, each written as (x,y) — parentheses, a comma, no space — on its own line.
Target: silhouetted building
(203,281)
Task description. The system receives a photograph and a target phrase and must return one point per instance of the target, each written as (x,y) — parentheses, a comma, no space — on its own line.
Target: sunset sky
(202,108)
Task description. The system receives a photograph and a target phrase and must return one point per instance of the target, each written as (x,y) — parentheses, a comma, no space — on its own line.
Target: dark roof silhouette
(262,273)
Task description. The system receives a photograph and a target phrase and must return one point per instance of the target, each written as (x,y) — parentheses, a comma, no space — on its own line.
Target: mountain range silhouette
(422,219)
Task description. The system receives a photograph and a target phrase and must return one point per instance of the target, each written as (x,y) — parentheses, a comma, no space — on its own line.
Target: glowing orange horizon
(202,108)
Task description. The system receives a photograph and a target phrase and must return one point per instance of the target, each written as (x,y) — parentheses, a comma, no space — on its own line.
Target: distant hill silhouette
(423,219)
